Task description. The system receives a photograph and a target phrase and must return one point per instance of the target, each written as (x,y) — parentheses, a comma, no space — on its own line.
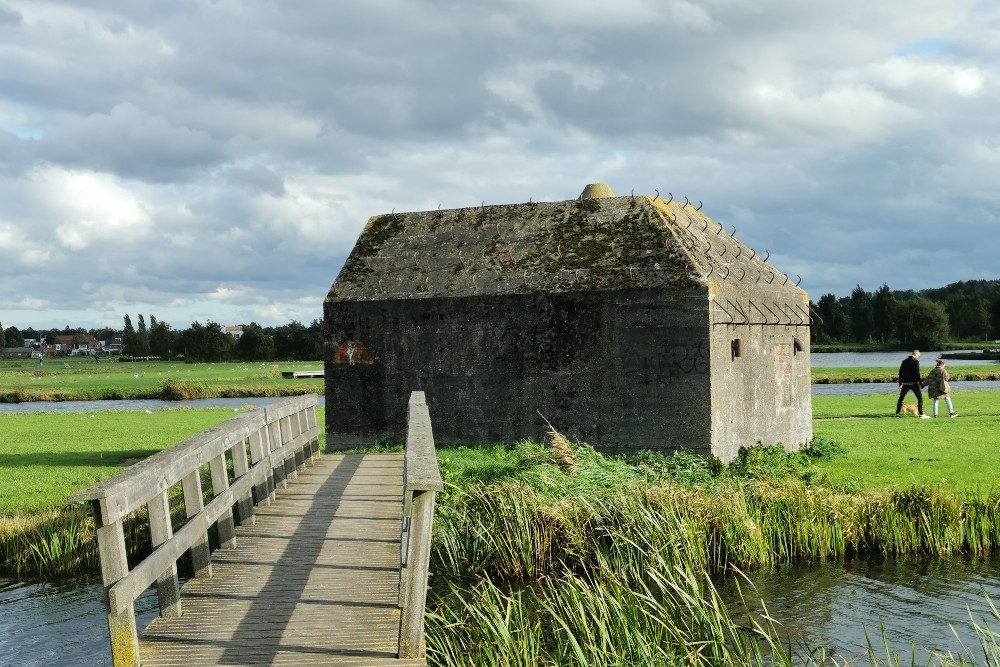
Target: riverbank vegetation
(81,379)
(556,555)
(553,554)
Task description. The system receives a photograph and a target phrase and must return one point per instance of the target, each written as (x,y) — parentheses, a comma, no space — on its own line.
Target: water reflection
(930,605)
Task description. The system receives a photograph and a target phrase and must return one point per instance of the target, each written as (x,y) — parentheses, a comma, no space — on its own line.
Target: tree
(163,341)
(254,344)
(834,328)
(862,316)
(130,343)
(206,342)
(142,338)
(12,336)
(922,323)
(884,314)
(296,341)
(995,316)
(3,339)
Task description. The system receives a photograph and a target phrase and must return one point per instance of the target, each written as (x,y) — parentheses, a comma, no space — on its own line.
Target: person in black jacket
(909,380)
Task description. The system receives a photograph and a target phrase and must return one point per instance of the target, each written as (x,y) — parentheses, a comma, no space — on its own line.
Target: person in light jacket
(938,387)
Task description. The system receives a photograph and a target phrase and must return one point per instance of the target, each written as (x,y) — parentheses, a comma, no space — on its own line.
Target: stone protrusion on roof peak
(596,191)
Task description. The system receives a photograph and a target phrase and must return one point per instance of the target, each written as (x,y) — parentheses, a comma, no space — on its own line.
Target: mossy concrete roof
(585,244)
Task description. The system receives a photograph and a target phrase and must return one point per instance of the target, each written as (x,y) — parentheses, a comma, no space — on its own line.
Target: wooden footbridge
(316,560)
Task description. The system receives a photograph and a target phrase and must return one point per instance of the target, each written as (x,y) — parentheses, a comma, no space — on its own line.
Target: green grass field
(881,451)
(46,456)
(79,378)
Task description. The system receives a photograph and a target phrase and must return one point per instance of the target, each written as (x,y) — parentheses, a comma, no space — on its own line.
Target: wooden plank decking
(314,581)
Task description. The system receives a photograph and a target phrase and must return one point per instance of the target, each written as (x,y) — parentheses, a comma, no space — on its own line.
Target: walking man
(909,380)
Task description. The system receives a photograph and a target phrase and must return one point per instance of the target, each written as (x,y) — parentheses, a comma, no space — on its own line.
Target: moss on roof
(584,244)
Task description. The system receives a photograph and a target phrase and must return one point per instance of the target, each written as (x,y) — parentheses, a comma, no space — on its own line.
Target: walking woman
(938,387)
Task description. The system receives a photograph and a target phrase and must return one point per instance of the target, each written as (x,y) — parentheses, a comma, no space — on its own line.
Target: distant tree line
(965,311)
(200,342)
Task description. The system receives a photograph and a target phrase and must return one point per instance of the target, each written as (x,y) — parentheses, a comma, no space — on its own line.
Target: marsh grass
(609,561)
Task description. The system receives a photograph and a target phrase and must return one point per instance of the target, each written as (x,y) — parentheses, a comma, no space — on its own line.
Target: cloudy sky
(215,161)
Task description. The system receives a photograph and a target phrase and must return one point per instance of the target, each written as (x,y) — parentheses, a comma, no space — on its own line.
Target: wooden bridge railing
(421,480)
(265,447)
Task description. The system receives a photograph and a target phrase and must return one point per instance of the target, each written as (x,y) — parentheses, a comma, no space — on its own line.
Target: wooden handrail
(281,438)
(421,480)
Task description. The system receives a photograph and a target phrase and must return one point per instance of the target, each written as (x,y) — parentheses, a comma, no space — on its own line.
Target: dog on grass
(910,410)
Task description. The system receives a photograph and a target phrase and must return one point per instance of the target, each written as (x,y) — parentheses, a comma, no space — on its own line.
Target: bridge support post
(114,567)
(414,589)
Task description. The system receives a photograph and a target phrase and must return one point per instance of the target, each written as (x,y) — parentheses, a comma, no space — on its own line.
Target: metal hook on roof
(699,205)
(686,202)
(759,274)
(657,195)
(754,253)
(720,230)
(671,197)
(734,231)
(394,209)
(727,274)
(498,231)
(799,279)
(705,228)
(767,254)
(739,251)
(744,274)
(439,207)
(709,274)
(633,195)
(786,281)
(771,280)
(723,251)
(708,250)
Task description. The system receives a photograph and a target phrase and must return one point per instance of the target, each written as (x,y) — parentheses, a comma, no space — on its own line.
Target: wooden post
(421,480)
(274,437)
(201,556)
(411,622)
(114,566)
(241,467)
(168,590)
(258,452)
(220,482)
(310,422)
(286,437)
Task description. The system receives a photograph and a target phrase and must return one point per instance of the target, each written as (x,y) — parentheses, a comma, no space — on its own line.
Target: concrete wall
(765,395)
(621,370)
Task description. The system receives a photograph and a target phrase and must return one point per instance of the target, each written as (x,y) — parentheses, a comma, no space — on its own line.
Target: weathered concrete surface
(614,318)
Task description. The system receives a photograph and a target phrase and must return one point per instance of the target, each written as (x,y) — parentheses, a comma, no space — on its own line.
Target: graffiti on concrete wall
(352,352)
(664,369)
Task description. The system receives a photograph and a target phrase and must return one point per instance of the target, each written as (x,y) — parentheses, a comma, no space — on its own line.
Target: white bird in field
(149,412)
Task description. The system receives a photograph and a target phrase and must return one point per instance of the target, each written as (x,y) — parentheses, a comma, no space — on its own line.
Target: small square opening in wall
(797,346)
(737,346)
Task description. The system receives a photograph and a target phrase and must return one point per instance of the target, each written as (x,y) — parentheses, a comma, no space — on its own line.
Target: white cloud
(88,208)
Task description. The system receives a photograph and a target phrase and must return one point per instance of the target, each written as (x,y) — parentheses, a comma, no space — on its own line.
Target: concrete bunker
(627,322)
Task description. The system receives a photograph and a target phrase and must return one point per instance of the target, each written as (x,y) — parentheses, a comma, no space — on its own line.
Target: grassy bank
(80,379)
(44,457)
(881,374)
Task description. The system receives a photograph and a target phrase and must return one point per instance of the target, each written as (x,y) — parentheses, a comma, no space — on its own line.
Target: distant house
(235,331)
(626,322)
(16,352)
(65,345)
